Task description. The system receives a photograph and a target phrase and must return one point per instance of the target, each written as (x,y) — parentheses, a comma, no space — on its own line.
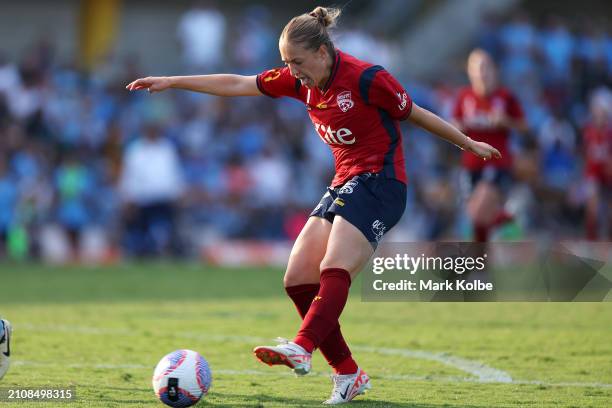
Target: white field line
(481,372)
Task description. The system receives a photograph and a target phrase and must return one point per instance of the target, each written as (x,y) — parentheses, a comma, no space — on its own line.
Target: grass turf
(102,330)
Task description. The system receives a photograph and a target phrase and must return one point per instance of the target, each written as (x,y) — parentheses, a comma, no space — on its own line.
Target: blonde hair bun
(325,16)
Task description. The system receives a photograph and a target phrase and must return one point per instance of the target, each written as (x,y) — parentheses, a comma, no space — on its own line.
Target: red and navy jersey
(598,152)
(357,114)
(476,114)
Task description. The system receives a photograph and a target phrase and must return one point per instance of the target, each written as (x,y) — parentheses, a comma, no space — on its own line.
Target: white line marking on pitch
(481,372)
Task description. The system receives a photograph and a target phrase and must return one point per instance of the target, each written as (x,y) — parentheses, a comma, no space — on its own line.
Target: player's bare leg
(592,213)
(483,206)
(347,248)
(305,262)
(311,244)
(307,253)
(347,252)
(302,284)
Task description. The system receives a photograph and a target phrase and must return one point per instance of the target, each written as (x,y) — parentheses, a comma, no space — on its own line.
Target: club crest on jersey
(344,101)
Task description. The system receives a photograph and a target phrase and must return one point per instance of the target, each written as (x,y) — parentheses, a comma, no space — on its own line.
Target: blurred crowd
(87,168)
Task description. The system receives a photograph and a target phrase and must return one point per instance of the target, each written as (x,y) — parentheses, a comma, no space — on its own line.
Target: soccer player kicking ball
(355,108)
(5,346)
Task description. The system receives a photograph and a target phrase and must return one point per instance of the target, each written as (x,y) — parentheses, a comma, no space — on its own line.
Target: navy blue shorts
(369,201)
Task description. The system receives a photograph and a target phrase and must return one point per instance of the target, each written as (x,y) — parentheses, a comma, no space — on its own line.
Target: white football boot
(288,353)
(5,346)
(347,387)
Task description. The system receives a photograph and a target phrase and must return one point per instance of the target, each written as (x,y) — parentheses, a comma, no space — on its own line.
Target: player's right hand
(152,84)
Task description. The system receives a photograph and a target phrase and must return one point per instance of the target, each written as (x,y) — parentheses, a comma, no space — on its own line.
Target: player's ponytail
(325,16)
(310,30)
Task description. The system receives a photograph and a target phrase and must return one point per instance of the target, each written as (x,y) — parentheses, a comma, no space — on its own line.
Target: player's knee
(300,274)
(290,280)
(325,264)
(483,209)
(328,261)
(334,262)
(295,280)
(351,258)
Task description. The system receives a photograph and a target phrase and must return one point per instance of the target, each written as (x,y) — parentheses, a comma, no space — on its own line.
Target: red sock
(481,233)
(334,347)
(591,227)
(324,312)
(348,366)
(502,217)
(335,350)
(302,296)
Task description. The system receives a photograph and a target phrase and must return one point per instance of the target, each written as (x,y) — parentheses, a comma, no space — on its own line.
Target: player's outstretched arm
(438,126)
(216,84)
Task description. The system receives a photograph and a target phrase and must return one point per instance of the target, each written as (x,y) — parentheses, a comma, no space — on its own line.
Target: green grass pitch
(103,329)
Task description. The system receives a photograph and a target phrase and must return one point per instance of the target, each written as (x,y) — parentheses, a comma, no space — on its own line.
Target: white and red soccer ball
(182,378)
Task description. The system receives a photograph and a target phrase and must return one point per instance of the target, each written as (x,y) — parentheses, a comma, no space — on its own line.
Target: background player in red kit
(355,108)
(597,136)
(487,111)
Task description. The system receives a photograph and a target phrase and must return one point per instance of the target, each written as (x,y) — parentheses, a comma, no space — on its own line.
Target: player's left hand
(483,150)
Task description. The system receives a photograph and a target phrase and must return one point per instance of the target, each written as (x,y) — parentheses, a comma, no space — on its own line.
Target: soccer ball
(181,378)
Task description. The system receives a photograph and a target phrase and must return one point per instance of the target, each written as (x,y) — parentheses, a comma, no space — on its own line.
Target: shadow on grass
(262,401)
(255,400)
(121,402)
(249,400)
(389,404)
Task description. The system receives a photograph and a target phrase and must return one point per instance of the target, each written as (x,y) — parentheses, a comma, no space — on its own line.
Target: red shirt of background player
(357,114)
(598,153)
(477,113)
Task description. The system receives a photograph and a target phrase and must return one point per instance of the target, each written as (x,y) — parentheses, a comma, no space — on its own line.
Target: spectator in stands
(47,104)
(75,191)
(151,186)
(255,40)
(271,176)
(557,46)
(202,31)
(557,143)
(519,42)
(8,203)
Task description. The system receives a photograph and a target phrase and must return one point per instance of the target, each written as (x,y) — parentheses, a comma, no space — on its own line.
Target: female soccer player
(486,111)
(597,137)
(355,108)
